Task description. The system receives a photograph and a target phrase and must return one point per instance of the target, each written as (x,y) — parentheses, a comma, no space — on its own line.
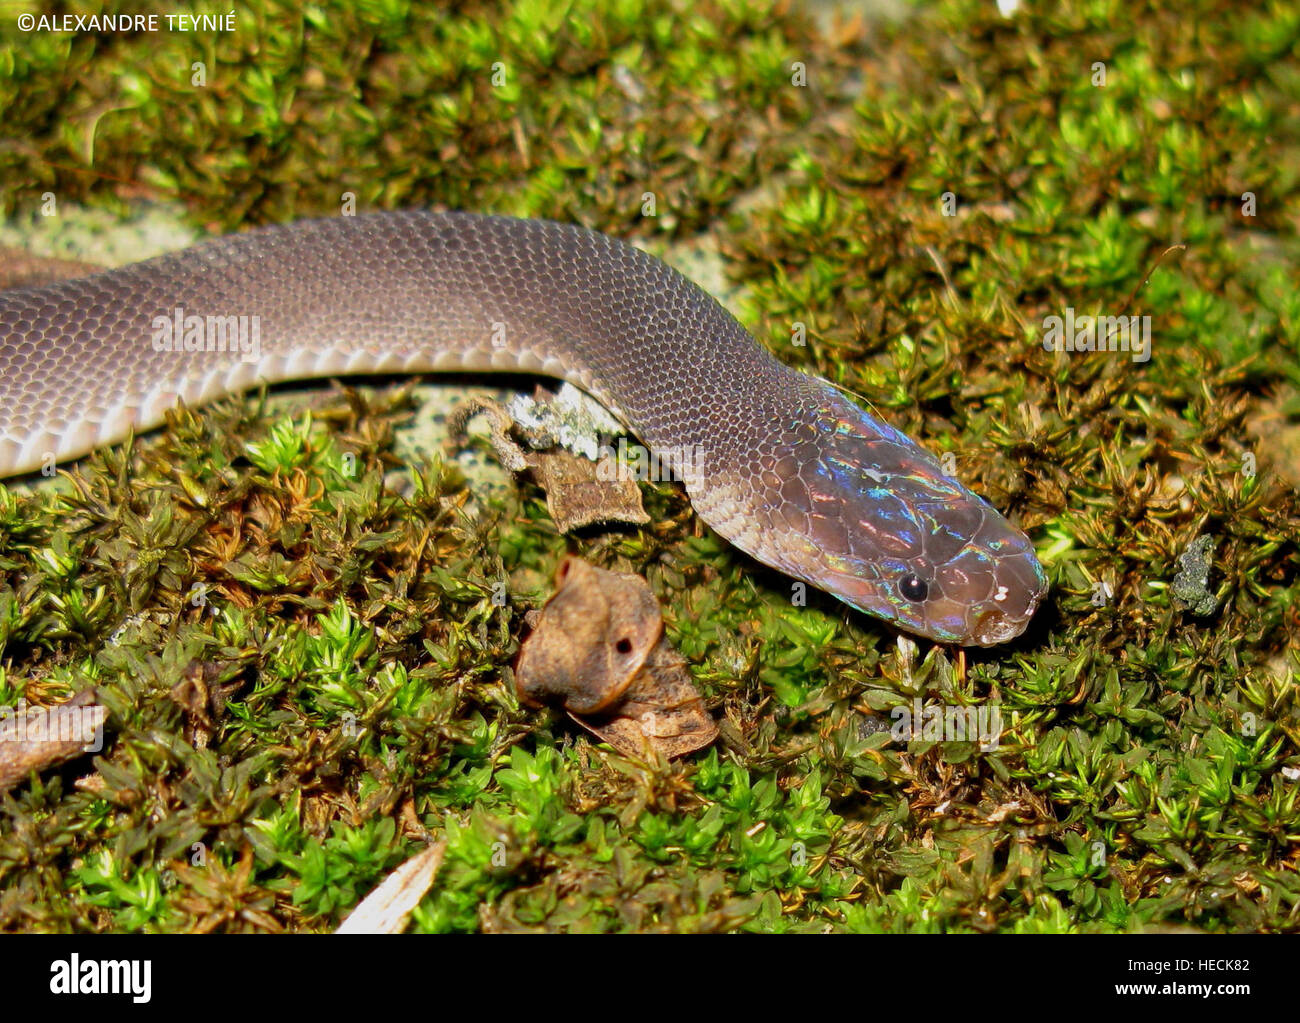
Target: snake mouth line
(996,626)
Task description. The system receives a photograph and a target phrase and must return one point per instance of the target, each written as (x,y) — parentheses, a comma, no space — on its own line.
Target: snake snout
(1006,615)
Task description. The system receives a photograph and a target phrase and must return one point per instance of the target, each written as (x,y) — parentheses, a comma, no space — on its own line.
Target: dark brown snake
(778,462)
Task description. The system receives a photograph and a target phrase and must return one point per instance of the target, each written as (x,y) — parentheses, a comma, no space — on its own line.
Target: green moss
(349,643)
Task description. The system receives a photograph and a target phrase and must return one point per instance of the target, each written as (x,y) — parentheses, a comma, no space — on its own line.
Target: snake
(779,462)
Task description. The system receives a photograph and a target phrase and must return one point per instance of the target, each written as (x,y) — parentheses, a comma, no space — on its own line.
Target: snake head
(861,511)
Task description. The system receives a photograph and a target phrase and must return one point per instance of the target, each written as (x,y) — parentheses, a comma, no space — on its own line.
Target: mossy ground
(1148,775)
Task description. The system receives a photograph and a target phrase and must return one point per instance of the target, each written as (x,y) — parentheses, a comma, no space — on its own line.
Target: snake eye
(914,588)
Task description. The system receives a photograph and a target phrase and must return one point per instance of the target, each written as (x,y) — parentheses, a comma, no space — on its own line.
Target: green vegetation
(308,675)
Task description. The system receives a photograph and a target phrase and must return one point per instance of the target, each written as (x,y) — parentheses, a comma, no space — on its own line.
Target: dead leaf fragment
(38,738)
(388,907)
(592,638)
(662,709)
(579,492)
(600,652)
(202,696)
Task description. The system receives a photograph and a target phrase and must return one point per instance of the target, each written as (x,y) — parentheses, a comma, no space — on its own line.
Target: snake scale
(778,462)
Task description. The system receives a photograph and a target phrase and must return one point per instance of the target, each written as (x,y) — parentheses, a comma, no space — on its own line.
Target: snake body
(780,463)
